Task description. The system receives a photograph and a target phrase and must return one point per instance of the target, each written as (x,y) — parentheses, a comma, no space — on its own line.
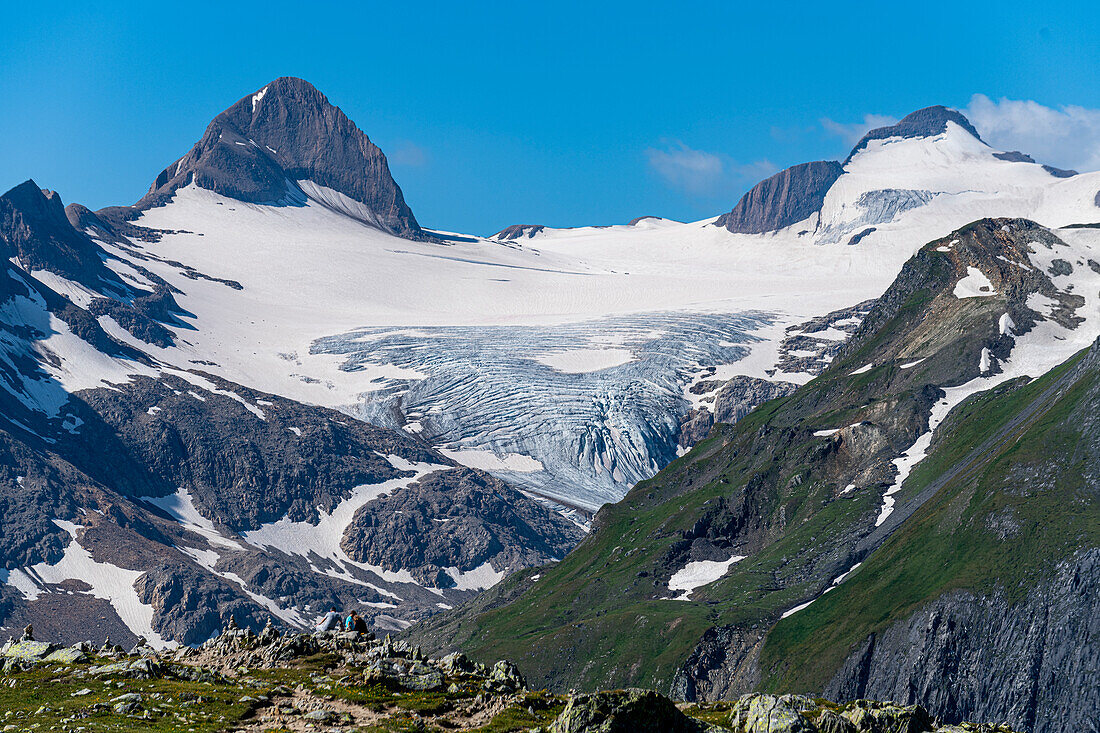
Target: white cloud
(701,173)
(852,132)
(1067,137)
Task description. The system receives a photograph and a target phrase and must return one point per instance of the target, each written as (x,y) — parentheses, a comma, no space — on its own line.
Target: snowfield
(547,347)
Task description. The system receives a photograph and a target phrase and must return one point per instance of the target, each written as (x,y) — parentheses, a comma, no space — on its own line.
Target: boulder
(883,717)
(68,655)
(457,664)
(772,714)
(624,711)
(505,677)
(29,651)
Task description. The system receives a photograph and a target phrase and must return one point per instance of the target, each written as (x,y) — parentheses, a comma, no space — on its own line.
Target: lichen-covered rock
(772,714)
(29,651)
(421,682)
(883,717)
(458,664)
(624,711)
(505,677)
(68,655)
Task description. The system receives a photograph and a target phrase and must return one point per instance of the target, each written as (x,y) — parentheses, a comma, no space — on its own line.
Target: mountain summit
(282,142)
(925,122)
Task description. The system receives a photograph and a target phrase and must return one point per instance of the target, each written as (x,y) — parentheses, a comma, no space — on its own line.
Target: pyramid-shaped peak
(285,140)
(926,122)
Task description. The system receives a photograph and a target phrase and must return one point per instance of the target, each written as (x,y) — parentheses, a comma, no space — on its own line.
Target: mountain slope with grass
(680,585)
(994,585)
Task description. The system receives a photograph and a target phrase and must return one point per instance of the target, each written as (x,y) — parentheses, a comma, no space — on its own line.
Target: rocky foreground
(242,681)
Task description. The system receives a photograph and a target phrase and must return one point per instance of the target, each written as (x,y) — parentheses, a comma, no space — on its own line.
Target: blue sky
(555,113)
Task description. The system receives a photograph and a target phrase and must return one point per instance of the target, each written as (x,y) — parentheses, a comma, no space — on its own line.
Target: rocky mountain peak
(35,229)
(926,122)
(788,197)
(285,141)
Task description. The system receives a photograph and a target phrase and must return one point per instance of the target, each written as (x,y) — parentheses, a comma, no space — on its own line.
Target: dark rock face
(1097,199)
(35,229)
(1021,662)
(29,482)
(1014,156)
(288,132)
(784,199)
(459,518)
(926,122)
(244,470)
(733,400)
(741,394)
(141,315)
(1060,172)
(524,231)
(858,236)
(694,427)
(193,603)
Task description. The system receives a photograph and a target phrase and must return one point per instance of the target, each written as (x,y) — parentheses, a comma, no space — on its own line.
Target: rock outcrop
(519,231)
(457,519)
(643,711)
(1022,662)
(786,198)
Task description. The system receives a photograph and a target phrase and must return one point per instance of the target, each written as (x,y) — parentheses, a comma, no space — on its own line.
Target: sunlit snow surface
(106,581)
(571,349)
(699,573)
(595,433)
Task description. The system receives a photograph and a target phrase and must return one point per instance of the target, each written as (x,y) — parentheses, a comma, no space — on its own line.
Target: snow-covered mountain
(617,323)
(274,278)
(148,497)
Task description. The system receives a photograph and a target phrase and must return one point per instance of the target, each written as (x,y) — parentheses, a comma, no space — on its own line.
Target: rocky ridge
(242,681)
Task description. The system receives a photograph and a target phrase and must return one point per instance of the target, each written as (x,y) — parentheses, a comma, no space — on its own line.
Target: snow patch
(256,99)
(323,538)
(479,578)
(974,285)
(108,582)
(181,507)
(487,460)
(986,361)
(698,573)
(579,361)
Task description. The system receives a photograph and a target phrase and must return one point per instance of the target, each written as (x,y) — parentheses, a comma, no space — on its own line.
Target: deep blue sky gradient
(515,112)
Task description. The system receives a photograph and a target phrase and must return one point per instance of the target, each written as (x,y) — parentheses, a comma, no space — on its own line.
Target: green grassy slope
(1002,528)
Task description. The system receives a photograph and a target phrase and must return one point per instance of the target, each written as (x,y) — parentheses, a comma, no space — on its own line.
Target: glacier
(595,433)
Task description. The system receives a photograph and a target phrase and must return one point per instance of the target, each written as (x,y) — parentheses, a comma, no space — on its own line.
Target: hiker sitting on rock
(355,622)
(330,621)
